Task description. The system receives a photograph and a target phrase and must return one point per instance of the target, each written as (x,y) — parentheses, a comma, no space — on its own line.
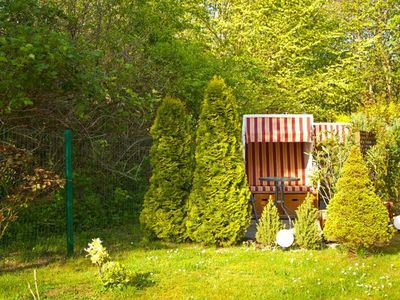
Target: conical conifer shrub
(165,203)
(268,225)
(356,216)
(307,231)
(218,204)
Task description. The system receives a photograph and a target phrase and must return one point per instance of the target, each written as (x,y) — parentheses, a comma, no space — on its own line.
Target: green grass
(168,271)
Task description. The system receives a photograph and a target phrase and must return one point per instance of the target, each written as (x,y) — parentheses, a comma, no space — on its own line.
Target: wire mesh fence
(110,175)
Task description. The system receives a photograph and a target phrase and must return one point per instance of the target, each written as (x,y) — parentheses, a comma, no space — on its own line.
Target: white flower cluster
(97,252)
(360,274)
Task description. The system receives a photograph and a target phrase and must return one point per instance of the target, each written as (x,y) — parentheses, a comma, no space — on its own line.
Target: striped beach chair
(278,146)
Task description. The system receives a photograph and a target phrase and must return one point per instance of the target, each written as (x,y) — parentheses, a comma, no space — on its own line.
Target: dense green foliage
(218,211)
(307,231)
(164,209)
(268,225)
(356,216)
(383,159)
(101,68)
(280,56)
(36,56)
(290,56)
(313,55)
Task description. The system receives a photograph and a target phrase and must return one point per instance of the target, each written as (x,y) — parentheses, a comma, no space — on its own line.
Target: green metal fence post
(68,189)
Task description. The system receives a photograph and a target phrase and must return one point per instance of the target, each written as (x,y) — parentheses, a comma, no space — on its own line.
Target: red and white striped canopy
(323,131)
(278,128)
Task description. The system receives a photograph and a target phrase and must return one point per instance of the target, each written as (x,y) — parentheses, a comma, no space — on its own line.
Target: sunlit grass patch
(192,271)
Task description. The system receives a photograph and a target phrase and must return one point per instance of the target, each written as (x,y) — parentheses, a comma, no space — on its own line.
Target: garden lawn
(195,272)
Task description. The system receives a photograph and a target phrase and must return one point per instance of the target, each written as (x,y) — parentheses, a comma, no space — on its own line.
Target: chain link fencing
(110,175)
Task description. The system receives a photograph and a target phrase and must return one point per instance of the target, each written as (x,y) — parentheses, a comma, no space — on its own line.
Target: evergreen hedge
(218,204)
(164,208)
(269,225)
(356,216)
(307,231)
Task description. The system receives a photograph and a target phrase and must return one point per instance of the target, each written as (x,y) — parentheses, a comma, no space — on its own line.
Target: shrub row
(203,196)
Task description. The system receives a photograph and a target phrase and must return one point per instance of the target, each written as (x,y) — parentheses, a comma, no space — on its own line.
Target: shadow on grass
(15,267)
(26,254)
(143,280)
(393,247)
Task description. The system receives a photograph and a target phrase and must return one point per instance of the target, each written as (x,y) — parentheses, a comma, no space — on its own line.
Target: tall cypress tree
(356,216)
(218,212)
(164,209)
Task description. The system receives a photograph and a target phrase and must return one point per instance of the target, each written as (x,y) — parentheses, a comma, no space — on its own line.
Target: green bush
(356,216)
(307,231)
(218,210)
(269,225)
(164,209)
(114,275)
